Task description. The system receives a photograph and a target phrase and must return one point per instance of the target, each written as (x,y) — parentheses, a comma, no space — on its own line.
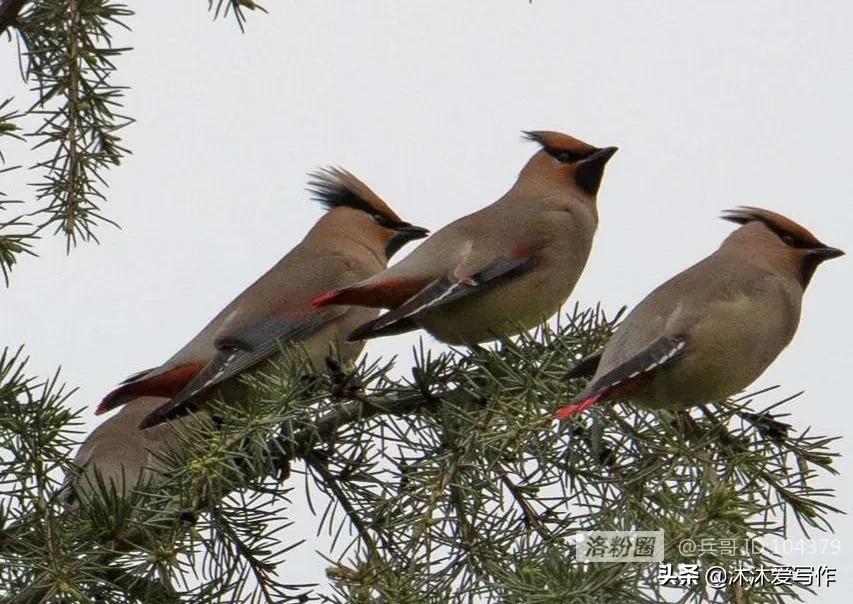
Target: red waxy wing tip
(108,403)
(323,300)
(571,410)
(166,384)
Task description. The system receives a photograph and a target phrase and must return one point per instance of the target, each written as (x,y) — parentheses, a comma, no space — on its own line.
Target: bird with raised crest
(352,241)
(712,330)
(506,267)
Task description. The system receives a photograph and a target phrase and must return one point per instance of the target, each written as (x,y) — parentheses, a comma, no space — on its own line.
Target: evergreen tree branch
(16,238)
(330,482)
(456,484)
(236,7)
(70,58)
(16,234)
(301,444)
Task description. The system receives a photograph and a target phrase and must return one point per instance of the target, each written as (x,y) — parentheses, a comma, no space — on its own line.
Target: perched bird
(508,266)
(351,242)
(119,455)
(710,331)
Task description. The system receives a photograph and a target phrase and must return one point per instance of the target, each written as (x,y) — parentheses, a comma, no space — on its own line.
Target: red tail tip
(570,411)
(102,408)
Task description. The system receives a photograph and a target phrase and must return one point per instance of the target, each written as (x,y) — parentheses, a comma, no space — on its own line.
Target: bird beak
(590,169)
(826,252)
(412,231)
(403,234)
(602,155)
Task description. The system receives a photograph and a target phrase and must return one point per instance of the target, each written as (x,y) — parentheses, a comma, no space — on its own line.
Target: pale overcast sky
(713,104)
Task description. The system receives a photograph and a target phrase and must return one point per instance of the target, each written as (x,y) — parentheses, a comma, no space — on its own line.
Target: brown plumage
(352,241)
(710,331)
(335,188)
(120,456)
(508,266)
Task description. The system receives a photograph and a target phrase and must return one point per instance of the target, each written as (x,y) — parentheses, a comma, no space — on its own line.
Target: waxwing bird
(120,455)
(710,331)
(506,267)
(352,241)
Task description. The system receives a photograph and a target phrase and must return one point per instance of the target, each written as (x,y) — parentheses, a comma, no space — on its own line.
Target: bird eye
(565,157)
(379,219)
(789,239)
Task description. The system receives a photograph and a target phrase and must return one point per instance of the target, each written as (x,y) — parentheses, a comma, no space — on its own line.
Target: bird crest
(788,231)
(561,146)
(335,187)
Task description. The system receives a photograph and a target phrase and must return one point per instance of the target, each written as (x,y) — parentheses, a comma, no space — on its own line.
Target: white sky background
(712,105)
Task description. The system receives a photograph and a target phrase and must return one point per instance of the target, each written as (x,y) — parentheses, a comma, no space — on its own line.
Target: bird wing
(439,255)
(163,381)
(441,291)
(626,376)
(239,351)
(138,375)
(586,367)
(170,378)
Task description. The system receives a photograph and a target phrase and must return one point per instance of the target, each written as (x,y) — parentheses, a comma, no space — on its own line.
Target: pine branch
(330,482)
(234,7)
(455,482)
(301,444)
(13,244)
(71,61)
(16,234)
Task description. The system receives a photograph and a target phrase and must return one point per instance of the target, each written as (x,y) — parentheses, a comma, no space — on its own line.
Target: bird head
(363,211)
(775,236)
(565,159)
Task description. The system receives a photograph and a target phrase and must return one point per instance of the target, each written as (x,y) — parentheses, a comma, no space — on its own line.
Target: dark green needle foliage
(235,8)
(16,232)
(74,118)
(450,485)
(71,119)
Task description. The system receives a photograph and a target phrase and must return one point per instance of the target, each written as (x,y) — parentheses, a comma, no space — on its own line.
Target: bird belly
(687,383)
(724,357)
(507,309)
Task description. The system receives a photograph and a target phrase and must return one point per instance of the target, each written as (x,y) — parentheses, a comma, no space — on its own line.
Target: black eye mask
(568,157)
